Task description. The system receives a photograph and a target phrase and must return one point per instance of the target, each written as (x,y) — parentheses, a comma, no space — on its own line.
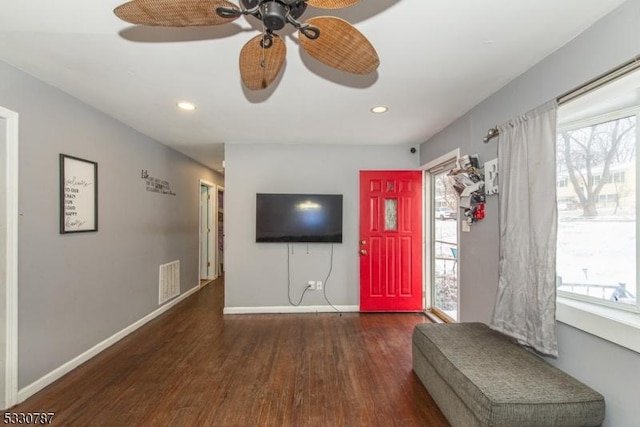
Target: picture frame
(78,195)
(491,173)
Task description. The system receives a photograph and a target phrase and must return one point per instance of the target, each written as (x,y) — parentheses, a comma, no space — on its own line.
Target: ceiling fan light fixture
(379,109)
(186,106)
(328,39)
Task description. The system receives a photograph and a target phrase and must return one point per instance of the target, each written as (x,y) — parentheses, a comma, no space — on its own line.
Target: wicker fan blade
(260,66)
(174,13)
(331,4)
(341,46)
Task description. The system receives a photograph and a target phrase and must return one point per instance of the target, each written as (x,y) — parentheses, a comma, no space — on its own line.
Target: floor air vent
(169,281)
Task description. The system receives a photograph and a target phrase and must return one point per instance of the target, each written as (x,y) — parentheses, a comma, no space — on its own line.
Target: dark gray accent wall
(76,290)
(607,367)
(256,273)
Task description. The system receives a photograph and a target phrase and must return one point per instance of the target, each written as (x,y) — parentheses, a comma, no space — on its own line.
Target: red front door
(390,241)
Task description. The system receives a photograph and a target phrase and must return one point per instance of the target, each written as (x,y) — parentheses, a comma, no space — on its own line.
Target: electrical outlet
(319,285)
(311,284)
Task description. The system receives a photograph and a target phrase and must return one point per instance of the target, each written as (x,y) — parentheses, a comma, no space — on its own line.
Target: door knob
(363,242)
(363,252)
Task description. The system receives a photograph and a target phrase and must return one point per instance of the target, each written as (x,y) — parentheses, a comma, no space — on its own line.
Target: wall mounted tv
(308,218)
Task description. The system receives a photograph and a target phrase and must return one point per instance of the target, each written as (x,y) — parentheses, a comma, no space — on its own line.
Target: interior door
(205,232)
(220,243)
(391,241)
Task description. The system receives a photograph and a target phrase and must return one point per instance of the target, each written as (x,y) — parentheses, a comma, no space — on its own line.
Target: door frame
(212,254)
(427,229)
(11,280)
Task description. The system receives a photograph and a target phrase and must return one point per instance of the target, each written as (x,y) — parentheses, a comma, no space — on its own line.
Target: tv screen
(310,218)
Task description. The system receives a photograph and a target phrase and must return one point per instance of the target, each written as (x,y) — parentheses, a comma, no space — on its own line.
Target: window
(616,177)
(444,244)
(597,214)
(441,255)
(390,214)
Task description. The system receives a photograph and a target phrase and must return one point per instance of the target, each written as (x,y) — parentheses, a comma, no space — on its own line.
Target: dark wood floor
(195,367)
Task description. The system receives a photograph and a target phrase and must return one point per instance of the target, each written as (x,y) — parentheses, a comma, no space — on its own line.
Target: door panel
(205,232)
(220,216)
(390,241)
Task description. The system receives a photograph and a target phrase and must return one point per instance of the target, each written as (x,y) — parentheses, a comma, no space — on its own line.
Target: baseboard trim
(292,309)
(57,373)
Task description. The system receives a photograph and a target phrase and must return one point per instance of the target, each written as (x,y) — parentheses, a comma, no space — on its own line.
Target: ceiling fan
(330,40)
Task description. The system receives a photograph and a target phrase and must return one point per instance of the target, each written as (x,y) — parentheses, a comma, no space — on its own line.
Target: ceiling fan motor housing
(274,15)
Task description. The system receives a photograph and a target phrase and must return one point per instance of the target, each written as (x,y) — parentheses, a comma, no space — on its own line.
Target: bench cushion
(501,383)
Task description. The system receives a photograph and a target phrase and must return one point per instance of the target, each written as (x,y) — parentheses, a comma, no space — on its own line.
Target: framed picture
(491,177)
(78,195)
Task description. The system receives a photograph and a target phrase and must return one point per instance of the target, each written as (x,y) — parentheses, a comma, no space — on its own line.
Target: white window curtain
(526,301)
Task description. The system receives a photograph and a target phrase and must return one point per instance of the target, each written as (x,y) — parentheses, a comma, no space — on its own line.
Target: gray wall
(256,274)
(76,290)
(3,249)
(610,369)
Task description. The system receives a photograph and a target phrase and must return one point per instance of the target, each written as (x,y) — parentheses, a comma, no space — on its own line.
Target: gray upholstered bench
(479,377)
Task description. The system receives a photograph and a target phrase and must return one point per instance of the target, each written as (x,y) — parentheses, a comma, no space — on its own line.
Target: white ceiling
(438,60)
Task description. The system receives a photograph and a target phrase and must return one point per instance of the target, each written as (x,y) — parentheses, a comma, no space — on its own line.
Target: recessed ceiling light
(379,109)
(187,106)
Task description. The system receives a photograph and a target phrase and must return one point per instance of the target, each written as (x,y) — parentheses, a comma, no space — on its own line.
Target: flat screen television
(308,218)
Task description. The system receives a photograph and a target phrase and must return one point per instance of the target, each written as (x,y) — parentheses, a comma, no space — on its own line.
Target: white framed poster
(78,195)
(491,174)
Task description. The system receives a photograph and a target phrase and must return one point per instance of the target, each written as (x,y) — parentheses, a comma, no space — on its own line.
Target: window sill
(618,326)
(438,316)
